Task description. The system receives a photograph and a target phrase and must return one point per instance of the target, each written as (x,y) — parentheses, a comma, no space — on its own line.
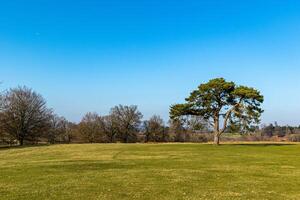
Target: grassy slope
(140,171)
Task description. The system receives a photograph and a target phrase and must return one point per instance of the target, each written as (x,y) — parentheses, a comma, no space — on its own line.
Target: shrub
(199,138)
(202,138)
(294,138)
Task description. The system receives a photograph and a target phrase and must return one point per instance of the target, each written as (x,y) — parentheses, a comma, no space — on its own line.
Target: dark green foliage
(219,99)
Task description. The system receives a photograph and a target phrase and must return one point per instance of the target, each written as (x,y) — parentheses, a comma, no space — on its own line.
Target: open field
(151,171)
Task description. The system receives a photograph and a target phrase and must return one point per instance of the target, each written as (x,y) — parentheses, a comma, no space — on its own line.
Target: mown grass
(151,171)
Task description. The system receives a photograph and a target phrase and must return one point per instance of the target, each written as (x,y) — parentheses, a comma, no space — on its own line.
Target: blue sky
(91,55)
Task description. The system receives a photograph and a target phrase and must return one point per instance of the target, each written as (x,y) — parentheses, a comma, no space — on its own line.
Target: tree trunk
(21,141)
(216,129)
(217,139)
(112,138)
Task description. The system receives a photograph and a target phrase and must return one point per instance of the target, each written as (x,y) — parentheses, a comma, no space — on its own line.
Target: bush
(202,138)
(251,138)
(294,138)
(199,138)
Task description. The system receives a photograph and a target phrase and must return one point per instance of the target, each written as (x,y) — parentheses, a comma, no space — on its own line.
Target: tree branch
(227,116)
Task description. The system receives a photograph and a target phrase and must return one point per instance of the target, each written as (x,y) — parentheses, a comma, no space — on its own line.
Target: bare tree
(58,130)
(177,129)
(110,128)
(91,127)
(197,124)
(128,120)
(154,129)
(71,133)
(24,114)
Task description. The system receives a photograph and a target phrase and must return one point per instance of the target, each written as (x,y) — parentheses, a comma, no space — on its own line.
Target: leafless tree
(177,129)
(110,128)
(58,130)
(154,130)
(197,124)
(72,133)
(91,127)
(128,121)
(24,114)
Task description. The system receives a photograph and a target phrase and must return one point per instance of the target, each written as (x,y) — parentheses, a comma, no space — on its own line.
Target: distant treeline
(25,119)
(291,133)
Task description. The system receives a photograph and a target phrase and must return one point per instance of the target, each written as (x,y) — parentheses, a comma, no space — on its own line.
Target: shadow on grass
(7,147)
(88,165)
(260,144)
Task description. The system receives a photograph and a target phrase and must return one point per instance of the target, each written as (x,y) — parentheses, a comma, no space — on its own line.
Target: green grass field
(151,171)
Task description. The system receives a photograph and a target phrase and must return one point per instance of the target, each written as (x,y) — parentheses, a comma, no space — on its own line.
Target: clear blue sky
(88,55)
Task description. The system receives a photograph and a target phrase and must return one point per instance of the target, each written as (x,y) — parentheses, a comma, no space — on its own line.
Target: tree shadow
(261,144)
(7,147)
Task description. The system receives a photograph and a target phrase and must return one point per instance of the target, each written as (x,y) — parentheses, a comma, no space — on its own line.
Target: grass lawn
(151,171)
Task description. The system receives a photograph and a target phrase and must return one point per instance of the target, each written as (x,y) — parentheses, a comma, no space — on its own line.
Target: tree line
(275,130)
(214,108)
(26,119)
